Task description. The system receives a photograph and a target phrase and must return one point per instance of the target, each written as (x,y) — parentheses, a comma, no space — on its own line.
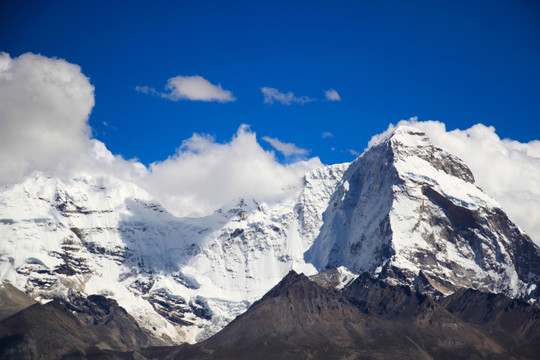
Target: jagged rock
(52,331)
(369,319)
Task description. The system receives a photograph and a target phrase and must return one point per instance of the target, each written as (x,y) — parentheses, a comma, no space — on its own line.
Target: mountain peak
(406,135)
(406,207)
(406,145)
(409,136)
(408,142)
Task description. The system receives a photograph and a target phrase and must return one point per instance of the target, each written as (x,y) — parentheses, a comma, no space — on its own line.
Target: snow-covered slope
(182,278)
(406,209)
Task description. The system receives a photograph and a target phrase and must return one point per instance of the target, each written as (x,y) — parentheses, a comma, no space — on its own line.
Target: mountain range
(398,252)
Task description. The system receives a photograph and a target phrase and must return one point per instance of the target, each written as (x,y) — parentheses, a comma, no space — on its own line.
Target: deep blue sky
(459,62)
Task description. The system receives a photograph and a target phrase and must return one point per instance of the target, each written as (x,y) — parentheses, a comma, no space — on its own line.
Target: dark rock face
(298,319)
(372,296)
(496,313)
(74,329)
(459,215)
(170,306)
(12,300)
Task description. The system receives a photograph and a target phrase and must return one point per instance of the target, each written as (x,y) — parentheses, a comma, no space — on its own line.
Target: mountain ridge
(405,206)
(370,318)
(404,211)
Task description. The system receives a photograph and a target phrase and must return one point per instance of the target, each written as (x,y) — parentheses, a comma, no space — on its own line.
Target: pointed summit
(407,141)
(410,142)
(406,206)
(405,135)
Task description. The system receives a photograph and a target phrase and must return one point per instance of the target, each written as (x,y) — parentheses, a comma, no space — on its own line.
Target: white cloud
(44,109)
(272,95)
(327,134)
(195,88)
(354,152)
(332,95)
(204,174)
(286,149)
(506,169)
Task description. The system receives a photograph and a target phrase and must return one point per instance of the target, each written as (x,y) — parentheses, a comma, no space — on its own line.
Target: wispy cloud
(146,90)
(327,134)
(272,95)
(332,95)
(287,149)
(195,88)
(354,152)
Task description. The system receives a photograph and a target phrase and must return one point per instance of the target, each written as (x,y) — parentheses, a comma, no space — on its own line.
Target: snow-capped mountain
(411,213)
(404,211)
(181,278)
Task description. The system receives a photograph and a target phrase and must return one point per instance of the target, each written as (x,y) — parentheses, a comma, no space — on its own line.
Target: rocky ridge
(370,319)
(405,212)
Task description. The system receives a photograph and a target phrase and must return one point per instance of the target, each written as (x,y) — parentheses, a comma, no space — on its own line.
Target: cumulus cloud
(287,149)
(506,169)
(44,109)
(272,95)
(195,88)
(204,174)
(332,95)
